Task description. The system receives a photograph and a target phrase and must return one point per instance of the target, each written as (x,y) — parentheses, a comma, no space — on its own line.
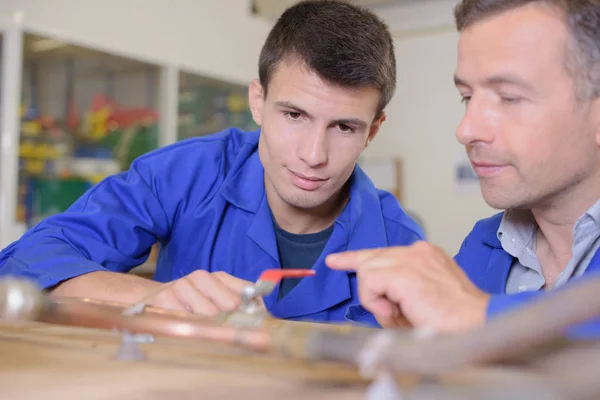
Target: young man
(529,74)
(228,206)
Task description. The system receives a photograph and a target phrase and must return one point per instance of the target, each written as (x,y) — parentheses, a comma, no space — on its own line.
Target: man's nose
(314,148)
(475,125)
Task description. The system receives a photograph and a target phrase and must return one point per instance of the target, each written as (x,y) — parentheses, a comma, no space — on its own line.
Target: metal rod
(539,326)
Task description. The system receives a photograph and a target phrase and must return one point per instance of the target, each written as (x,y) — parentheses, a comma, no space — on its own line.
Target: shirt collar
(518,228)
(244,188)
(593,212)
(588,224)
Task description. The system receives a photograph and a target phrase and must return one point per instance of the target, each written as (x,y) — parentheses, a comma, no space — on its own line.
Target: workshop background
(89,85)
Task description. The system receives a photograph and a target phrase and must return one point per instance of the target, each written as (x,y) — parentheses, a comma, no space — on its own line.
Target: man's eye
(293,114)
(345,128)
(511,100)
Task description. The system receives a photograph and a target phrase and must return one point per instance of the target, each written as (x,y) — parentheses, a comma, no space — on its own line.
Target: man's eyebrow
(292,106)
(359,123)
(458,81)
(507,79)
(496,80)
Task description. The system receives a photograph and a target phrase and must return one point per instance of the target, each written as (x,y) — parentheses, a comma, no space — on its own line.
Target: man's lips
(307,177)
(307,182)
(484,168)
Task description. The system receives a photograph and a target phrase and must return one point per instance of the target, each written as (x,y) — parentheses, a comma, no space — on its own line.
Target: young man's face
(528,137)
(312,133)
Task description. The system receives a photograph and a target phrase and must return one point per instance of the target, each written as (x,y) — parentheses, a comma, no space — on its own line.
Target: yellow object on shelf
(46,151)
(96,123)
(34,167)
(26,150)
(236,103)
(40,152)
(96,178)
(31,128)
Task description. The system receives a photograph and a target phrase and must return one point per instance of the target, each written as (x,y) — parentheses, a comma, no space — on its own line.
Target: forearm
(106,286)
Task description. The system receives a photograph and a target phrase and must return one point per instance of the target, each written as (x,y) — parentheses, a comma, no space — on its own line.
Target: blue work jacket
(204,200)
(486,263)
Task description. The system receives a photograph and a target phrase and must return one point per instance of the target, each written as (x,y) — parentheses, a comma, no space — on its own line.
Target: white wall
(417,16)
(420,129)
(217,38)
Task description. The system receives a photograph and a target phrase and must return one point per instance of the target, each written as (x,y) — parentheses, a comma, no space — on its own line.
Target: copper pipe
(284,338)
(92,314)
(20,300)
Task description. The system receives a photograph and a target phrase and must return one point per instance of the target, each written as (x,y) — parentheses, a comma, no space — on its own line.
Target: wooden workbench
(40,361)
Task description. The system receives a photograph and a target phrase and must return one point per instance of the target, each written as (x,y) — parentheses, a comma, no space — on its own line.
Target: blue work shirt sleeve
(112,227)
(501,303)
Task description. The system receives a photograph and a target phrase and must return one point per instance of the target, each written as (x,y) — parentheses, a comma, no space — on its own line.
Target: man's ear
(375,126)
(256,100)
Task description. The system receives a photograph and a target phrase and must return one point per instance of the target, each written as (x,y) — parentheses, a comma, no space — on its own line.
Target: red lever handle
(275,275)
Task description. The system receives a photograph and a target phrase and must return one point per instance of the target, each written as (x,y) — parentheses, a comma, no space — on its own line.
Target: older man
(529,74)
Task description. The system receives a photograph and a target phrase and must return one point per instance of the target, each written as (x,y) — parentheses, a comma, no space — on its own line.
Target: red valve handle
(275,275)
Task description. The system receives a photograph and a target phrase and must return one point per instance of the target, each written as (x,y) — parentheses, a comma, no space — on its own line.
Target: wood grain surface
(42,361)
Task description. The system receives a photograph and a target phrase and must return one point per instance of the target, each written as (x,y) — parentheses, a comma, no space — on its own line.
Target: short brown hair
(583,20)
(343,44)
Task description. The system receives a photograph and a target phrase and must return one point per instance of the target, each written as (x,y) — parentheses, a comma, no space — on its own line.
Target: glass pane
(85,114)
(208,106)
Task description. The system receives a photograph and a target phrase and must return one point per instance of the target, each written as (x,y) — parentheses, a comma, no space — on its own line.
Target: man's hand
(200,292)
(419,284)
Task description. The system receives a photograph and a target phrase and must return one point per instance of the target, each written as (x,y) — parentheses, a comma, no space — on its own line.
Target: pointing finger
(349,260)
(390,257)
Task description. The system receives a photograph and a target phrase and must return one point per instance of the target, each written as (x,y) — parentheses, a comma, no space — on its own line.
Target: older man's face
(529,138)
